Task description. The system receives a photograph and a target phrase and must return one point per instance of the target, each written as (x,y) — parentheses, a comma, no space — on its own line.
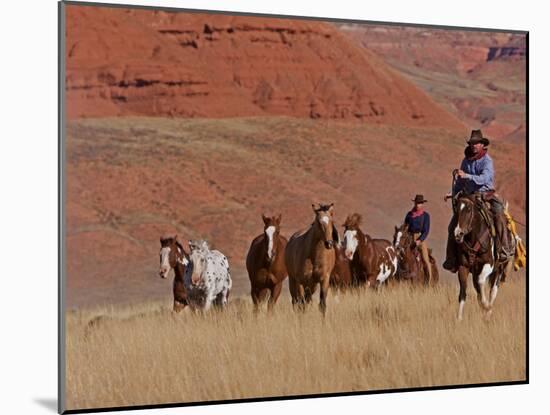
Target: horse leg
(297,293)
(275,292)
(178,306)
(208,302)
(325,284)
(486,271)
(222,298)
(435,273)
(497,276)
(255,294)
(478,291)
(463,281)
(371,281)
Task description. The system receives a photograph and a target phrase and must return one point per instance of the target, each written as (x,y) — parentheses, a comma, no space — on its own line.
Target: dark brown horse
(410,266)
(173,256)
(373,261)
(265,263)
(341,277)
(310,257)
(476,254)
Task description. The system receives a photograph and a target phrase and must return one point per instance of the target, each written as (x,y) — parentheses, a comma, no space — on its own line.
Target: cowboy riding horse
(476,177)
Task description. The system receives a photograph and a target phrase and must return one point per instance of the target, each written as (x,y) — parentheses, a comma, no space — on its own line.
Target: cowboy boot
(450,259)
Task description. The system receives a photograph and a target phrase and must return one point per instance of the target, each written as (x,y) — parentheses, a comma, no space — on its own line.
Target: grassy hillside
(130,180)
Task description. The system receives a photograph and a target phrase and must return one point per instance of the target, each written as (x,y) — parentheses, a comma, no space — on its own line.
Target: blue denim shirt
(480,175)
(420,224)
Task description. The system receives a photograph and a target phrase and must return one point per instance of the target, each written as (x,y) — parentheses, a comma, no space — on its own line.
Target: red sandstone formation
(479,76)
(124,62)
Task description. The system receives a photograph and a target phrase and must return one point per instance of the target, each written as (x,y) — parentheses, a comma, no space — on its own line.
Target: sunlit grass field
(398,337)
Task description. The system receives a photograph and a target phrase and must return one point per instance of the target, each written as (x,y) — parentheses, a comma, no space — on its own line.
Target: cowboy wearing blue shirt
(418,221)
(476,175)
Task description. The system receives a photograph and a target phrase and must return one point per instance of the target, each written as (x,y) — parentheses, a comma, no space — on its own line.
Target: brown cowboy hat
(419,199)
(477,137)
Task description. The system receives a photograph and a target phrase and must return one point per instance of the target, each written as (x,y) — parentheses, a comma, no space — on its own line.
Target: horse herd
(314,256)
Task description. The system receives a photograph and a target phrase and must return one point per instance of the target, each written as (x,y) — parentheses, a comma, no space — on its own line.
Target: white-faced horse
(476,254)
(173,256)
(372,260)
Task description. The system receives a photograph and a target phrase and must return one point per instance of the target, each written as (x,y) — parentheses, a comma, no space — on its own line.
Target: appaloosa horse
(410,266)
(173,256)
(265,263)
(372,260)
(310,258)
(207,278)
(476,254)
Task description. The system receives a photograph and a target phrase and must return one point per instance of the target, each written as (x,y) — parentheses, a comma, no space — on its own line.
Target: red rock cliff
(123,62)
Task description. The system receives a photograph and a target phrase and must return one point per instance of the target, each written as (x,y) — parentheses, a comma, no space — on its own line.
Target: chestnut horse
(373,261)
(173,256)
(341,277)
(476,254)
(410,266)
(265,263)
(310,258)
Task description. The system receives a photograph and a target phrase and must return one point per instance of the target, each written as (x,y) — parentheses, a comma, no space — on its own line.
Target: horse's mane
(180,246)
(353,221)
(201,244)
(302,231)
(167,236)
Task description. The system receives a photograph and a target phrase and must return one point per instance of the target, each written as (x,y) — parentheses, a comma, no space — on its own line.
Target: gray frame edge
(62,278)
(289,16)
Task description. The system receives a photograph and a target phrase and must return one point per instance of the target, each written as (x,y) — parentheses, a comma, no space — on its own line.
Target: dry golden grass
(397,338)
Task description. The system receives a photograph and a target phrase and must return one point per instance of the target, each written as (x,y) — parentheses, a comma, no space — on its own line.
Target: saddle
(483,203)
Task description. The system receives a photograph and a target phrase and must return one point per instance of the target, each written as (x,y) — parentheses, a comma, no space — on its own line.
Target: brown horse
(341,277)
(373,261)
(265,263)
(310,258)
(476,254)
(173,256)
(410,266)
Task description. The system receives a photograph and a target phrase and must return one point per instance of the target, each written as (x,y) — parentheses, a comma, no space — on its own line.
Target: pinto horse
(173,256)
(373,261)
(476,255)
(410,266)
(310,257)
(265,263)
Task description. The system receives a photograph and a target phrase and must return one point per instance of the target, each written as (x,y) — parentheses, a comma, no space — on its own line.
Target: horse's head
(465,217)
(352,234)
(171,252)
(197,260)
(324,218)
(398,234)
(403,242)
(272,226)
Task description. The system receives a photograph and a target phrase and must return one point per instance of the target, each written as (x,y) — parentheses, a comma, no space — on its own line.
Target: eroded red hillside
(124,62)
(478,76)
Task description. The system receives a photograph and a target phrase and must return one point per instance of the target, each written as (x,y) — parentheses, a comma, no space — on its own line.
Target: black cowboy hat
(477,137)
(419,199)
